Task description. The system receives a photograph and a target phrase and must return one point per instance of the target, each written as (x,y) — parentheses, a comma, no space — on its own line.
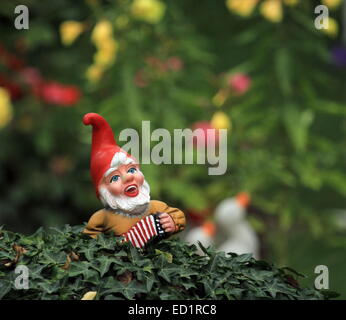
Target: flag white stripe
(152,225)
(148,223)
(134,239)
(138,237)
(145,229)
(142,233)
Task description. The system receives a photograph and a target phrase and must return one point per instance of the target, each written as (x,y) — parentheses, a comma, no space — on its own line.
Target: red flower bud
(55,93)
(240,83)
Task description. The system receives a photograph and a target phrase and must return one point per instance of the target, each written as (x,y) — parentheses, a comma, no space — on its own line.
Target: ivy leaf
(127,290)
(275,287)
(244,258)
(148,268)
(260,275)
(135,256)
(89,252)
(167,255)
(185,273)
(148,279)
(236,293)
(36,271)
(78,268)
(105,241)
(165,274)
(213,263)
(53,258)
(102,264)
(209,288)
(50,286)
(121,253)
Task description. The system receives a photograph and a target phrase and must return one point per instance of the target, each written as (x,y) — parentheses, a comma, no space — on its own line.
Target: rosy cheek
(115,188)
(139,178)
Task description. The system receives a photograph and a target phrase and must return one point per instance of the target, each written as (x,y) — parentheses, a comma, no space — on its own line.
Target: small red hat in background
(243,198)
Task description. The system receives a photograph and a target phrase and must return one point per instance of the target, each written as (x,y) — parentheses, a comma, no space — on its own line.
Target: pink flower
(239,83)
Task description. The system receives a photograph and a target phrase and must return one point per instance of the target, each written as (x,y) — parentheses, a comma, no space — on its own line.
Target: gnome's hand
(167,222)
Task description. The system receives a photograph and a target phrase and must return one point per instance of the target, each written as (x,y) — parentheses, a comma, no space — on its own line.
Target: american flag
(144,230)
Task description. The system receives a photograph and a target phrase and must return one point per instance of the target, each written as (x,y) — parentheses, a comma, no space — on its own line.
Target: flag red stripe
(134,239)
(138,237)
(144,227)
(151,224)
(142,230)
(148,224)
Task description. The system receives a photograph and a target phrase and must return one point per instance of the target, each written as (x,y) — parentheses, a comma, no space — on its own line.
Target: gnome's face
(124,181)
(123,188)
(118,182)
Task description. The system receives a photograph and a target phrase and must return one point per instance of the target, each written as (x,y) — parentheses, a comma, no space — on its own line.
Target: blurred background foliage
(256,67)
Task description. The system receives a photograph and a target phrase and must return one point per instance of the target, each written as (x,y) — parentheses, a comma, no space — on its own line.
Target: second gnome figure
(124,192)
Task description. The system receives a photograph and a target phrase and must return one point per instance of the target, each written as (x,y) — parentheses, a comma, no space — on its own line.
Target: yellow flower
(220,120)
(150,11)
(242,7)
(290,2)
(94,73)
(332,29)
(103,31)
(332,4)
(272,10)
(103,58)
(69,31)
(106,52)
(6,111)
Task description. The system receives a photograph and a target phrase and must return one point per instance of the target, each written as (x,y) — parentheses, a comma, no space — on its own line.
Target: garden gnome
(124,192)
(230,218)
(205,234)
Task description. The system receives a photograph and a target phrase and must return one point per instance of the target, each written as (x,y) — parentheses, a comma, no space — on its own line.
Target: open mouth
(131,190)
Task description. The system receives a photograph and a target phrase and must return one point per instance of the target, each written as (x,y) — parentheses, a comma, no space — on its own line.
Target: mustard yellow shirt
(109,221)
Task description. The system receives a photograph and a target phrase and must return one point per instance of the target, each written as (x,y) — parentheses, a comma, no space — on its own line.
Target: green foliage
(286,148)
(65,264)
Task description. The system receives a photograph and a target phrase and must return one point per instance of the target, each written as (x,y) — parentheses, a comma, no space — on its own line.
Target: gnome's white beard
(128,206)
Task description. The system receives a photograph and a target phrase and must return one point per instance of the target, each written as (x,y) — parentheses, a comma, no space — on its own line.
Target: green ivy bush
(65,264)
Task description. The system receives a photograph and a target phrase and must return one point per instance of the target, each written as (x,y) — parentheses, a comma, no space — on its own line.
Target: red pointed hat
(103,147)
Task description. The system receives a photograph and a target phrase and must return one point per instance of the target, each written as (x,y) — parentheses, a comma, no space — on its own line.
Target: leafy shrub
(65,264)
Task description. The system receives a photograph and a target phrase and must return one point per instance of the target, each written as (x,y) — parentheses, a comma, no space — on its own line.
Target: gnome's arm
(95,224)
(177,215)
